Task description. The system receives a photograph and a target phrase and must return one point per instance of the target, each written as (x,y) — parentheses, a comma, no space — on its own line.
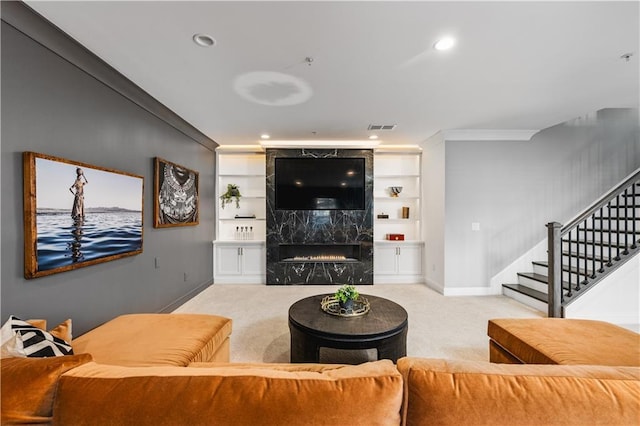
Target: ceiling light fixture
(203,40)
(373,137)
(264,136)
(445,43)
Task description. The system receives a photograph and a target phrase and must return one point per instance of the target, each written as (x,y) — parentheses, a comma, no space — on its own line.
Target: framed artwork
(77,215)
(175,196)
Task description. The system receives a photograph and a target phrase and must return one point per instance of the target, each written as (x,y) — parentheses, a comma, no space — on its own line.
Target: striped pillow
(34,342)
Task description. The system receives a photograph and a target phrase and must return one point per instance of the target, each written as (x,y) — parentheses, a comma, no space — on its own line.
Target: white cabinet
(239,262)
(397,262)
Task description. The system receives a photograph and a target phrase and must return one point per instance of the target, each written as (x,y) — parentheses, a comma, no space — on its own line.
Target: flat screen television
(319,183)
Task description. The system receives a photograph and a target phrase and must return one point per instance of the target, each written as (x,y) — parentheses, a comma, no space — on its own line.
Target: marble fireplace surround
(319,246)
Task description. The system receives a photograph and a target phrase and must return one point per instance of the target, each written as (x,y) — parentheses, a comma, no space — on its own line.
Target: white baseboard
(471,291)
(433,285)
(462,291)
(239,279)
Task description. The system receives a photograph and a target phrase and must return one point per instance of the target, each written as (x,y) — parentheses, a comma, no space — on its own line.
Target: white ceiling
(516,65)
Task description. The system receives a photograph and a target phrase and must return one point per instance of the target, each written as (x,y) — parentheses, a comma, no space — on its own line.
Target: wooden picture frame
(176,195)
(66,227)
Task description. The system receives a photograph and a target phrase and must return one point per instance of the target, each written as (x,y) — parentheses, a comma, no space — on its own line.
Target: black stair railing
(604,236)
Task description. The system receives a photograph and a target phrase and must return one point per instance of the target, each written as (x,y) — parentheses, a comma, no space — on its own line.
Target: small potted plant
(233,192)
(346,295)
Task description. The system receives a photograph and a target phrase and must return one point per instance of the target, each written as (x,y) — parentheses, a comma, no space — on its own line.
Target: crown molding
(488,134)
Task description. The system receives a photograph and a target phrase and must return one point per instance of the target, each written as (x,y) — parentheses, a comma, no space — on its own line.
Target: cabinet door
(384,260)
(228,260)
(253,260)
(410,260)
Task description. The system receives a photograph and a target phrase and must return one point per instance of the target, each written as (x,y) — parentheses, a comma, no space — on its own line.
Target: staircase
(583,252)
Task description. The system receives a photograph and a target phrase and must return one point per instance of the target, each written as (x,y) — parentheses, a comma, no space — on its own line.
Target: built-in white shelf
(246,169)
(397,168)
(390,220)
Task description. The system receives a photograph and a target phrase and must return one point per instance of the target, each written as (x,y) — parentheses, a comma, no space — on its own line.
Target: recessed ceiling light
(264,136)
(445,43)
(203,40)
(373,137)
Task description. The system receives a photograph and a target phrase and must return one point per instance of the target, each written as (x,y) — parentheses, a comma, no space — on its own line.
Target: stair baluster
(633,217)
(609,263)
(626,225)
(601,270)
(581,243)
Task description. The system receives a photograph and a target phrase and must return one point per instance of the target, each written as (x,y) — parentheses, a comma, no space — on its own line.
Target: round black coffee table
(384,328)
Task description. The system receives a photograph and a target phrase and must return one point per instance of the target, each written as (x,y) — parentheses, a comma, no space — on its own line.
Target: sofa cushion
(566,341)
(366,394)
(155,339)
(29,385)
(480,393)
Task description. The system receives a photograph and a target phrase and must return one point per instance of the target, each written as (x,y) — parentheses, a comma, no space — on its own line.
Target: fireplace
(320,253)
(322,244)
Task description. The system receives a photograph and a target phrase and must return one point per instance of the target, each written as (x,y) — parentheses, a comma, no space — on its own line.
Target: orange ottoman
(562,341)
(157,339)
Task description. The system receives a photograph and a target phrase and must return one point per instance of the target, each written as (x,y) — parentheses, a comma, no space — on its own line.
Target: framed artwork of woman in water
(77,215)
(175,195)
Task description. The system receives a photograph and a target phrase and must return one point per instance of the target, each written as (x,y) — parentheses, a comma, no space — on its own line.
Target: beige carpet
(439,327)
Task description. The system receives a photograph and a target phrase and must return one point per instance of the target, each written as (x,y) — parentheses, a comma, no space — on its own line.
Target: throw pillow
(62,331)
(25,340)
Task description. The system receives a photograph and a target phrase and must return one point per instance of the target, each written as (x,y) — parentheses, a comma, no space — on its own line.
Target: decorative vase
(348,305)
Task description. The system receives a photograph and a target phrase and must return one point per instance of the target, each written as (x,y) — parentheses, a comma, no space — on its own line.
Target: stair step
(522,289)
(520,294)
(540,278)
(565,268)
(593,243)
(583,256)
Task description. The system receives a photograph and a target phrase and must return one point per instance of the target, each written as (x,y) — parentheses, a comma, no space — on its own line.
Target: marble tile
(319,227)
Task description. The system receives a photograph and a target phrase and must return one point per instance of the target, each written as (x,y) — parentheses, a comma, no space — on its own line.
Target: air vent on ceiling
(381,126)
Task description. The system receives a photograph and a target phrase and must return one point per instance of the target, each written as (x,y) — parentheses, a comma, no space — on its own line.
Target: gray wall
(52,107)
(514,188)
(433,187)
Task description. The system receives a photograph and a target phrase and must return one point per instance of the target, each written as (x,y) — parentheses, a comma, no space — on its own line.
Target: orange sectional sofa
(170,385)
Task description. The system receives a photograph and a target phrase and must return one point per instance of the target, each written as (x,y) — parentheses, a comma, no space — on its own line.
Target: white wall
(433,188)
(615,299)
(513,188)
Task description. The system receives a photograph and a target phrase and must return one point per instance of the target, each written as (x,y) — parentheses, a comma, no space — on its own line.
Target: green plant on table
(345,293)
(233,192)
